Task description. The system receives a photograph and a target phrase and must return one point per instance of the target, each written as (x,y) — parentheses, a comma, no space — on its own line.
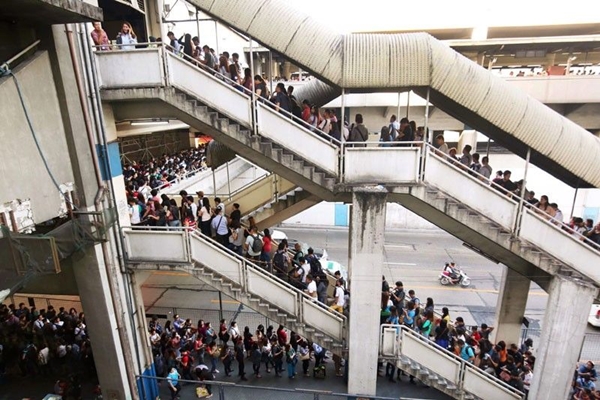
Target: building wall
(22,173)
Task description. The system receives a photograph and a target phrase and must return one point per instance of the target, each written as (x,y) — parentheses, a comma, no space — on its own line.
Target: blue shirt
(467,352)
(173,378)
(219,224)
(409,317)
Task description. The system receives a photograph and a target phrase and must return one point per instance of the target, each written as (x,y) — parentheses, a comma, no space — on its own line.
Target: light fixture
(153,121)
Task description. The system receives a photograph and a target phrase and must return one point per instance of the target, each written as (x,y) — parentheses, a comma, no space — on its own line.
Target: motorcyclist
(453,272)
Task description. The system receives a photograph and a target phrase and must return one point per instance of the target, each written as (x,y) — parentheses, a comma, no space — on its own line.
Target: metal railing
(405,342)
(426,153)
(228,390)
(179,250)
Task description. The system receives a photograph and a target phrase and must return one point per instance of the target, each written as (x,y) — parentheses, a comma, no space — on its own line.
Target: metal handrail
(513,198)
(6,65)
(196,233)
(314,393)
(401,329)
(179,180)
(244,90)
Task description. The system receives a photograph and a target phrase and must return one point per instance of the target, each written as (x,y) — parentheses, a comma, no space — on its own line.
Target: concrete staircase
(258,149)
(438,368)
(236,277)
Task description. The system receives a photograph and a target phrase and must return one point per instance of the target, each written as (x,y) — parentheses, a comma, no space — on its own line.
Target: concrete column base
(510,309)
(366,240)
(565,320)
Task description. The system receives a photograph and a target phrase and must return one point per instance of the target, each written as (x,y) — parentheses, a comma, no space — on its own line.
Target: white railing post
(244,267)
(162,52)
(518,218)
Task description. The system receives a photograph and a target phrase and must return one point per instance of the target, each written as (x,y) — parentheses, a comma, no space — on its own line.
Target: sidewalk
(37,388)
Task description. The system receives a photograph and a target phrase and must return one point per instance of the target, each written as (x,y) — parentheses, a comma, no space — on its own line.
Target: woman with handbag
(304,351)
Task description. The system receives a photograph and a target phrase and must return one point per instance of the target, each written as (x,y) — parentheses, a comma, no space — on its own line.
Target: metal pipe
(253,105)
(214,183)
(217,37)
(487,152)
(270,70)
(85,113)
(198,25)
(574,199)
(398,108)
(228,180)
(407,103)
(92,79)
(343,114)
(517,226)
(21,53)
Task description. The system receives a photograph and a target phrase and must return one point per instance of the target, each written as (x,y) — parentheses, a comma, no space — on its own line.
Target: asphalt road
(416,258)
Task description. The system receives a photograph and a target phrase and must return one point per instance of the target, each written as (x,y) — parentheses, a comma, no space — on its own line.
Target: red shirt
(266,245)
(306,113)
(282,337)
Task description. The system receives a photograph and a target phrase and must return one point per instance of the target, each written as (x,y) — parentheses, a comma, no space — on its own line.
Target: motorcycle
(460,278)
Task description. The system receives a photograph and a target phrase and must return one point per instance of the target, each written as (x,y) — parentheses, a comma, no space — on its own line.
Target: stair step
(281,315)
(292,320)
(236,289)
(309,330)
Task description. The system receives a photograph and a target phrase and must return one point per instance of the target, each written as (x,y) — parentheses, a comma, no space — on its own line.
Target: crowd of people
(512,363)
(161,172)
(46,343)
(195,352)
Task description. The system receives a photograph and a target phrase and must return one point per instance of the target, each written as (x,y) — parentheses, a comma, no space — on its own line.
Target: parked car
(594,318)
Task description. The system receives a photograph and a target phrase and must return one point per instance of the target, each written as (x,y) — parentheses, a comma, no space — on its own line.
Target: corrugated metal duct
(381,62)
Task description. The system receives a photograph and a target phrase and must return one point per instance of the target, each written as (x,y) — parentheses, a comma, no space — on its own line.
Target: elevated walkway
(431,68)
(421,181)
(216,266)
(437,367)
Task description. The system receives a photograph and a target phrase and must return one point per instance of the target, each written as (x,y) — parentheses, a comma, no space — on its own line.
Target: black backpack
(279,260)
(296,107)
(316,270)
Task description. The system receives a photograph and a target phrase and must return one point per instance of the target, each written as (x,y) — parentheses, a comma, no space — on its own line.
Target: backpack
(296,107)
(279,260)
(315,268)
(257,244)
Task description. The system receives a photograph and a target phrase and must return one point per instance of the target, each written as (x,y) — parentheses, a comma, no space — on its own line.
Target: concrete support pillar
(154,9)
(286,70)
(568,306)
(467,137)
(510,309)
(367,228)
(92,281)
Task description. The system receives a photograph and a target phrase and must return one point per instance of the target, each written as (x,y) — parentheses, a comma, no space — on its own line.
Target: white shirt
(194,208)
(134,213)
(305,268)
(205,214)
(249,241)
(339,295)
(527,380)
(312,289)
(558,219)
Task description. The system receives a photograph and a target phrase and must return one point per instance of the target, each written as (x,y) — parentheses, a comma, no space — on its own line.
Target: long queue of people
(184,350)
(512,363)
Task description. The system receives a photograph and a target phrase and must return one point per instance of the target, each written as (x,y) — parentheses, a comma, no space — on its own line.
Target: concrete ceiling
(49,12)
